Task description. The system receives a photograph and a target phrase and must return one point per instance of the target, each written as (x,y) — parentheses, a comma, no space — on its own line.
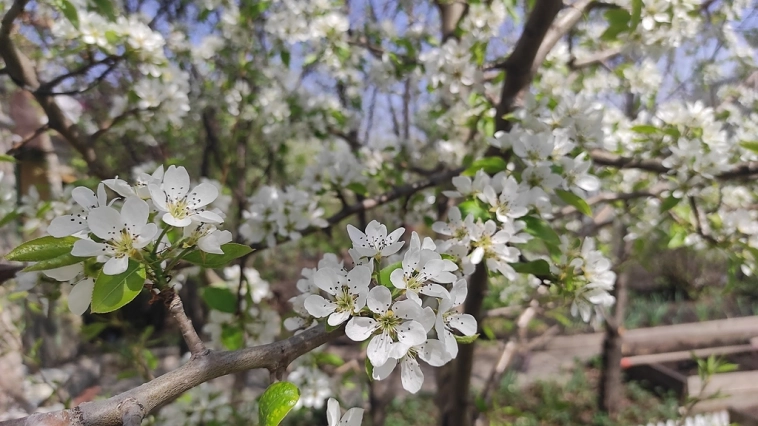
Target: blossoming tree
(478,145)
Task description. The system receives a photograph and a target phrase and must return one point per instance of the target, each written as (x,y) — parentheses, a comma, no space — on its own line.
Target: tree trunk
(454,382)
(611,389)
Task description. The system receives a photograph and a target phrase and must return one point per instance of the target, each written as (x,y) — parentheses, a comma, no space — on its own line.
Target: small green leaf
(636,17)
(5,158)
(538,267)
(618,22)
(10,217)
(475,208)
(540,229)
(90,331)
(220,299)
(572,199)
(490,165)
(465,340)
(44,248)
(645,129)
(284,54)
(114,291)
(751,146)
(384,274)
(232,337)
(276,402)
(369,367)
(69,11)
(56,262)
(326,358)
(209,260)
(669,203)
(358,188)
(105,8)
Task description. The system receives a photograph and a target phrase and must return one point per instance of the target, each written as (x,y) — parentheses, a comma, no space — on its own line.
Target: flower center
(124,245)
(388,322)
(345,301)
(178,208)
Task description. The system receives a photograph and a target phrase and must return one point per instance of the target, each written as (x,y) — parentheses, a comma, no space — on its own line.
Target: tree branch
(194,343)
(560,27)
(21,71)
(154,394)
(520,63)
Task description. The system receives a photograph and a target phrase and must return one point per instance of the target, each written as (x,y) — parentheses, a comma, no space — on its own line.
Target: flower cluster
(129,234)
(407,310)
(275,213)
(588,275)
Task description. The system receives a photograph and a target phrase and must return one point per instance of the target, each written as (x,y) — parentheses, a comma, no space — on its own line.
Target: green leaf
(384,274)
(7,158)
(220,299)
(538,267)
(56,262)
(465,340)
(369,367)
(358,188)
(751,146)
(540,229)
(232,337)
(10,217)
(475,208)
(276,402)
(69,11)
(284,54)
(326,358)
(490,165)
(572,199)
(105,8)
(636,17)
(209,260)
(44,248)
(90,331)
(669,203)
(618,22)
(645,129)
(114,291)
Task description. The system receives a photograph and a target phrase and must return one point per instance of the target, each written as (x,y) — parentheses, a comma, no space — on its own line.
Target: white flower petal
(63,226)
(433,353)
(378,350)
(360,328)
(337,318)
(105,222)
(65,273)
(173,221)
(319,307)
(379,299)
(88,248)
(397,278)
(81,296)
(176,182)
(411,333)
(202,195)
(383,371)
(85,198)
(407,309)
(134,214)
(332,412)
(464,323)
(116,265)
(353,417)
(326,279)
(411,375)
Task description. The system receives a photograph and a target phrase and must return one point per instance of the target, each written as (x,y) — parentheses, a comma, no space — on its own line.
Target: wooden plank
(732,383)
(630,361)
(730,331)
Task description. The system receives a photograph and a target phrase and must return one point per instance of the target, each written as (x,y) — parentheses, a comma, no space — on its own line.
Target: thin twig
(194,343)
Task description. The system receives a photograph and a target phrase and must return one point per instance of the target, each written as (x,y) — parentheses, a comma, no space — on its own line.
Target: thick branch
(21,71)
(520,63)
(156,393)
(560,27)
(194,343)
(605,158)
